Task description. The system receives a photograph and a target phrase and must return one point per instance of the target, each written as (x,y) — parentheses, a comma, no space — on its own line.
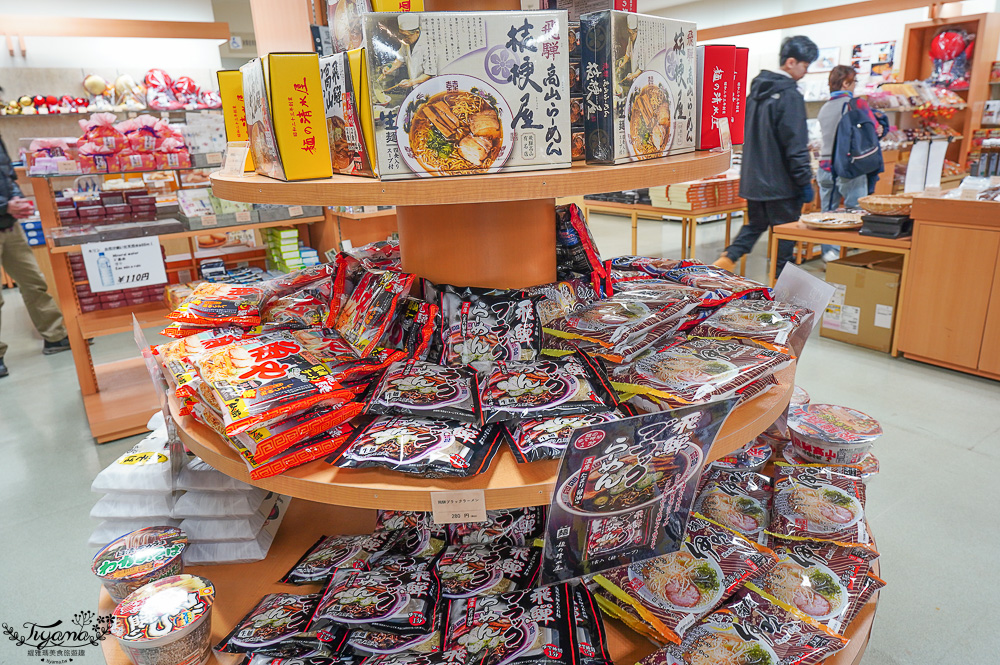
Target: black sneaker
(56,347)
(3,369)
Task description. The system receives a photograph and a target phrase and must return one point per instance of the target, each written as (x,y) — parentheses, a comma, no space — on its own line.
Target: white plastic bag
(199,475)
(201,554)
(116,506)
(109,530)
(219,505)
(214,531)
(146,468)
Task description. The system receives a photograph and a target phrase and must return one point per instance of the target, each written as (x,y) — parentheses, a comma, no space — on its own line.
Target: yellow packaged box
(285,116)
(231,91)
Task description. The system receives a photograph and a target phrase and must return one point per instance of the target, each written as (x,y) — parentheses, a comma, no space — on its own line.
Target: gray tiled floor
(931,508)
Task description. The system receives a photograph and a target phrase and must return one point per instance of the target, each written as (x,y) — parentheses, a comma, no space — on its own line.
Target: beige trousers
(20,264)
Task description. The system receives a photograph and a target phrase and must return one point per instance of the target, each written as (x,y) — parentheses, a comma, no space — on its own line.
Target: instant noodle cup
(799,396)
(830,434)
(167,622)
(138,558)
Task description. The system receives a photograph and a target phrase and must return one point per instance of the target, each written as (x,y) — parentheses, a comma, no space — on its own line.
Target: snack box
(139,161)
(341,74)
(639,86)
(172,160)
(231,91)
(716,82)
(283,99)
(463,93)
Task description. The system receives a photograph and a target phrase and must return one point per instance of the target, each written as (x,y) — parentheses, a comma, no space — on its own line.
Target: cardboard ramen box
(639,86)
(345,18)
(348,151)
(285,116)
(576,8)
(737,118)
(231,91)
(863,308)
(462,93)
(716,74)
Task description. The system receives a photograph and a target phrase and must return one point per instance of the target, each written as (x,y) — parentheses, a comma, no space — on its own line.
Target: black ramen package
(751,457)
(625,489)
(324,655)
(773,325)
(374,642)
(421,446)
(825,581)
(753,628)
(591,643)
(370,310)
(487,569)
(561,298)
(273,625)
(505,526)
(333,552)
(547,438)
(394,562)
(738,500)
(427,390)
(481,327)
(544,388)
(647,265)
(823,503)
(457,657)
(697,370)
(712,278)
(394,520)
(532,627)
(415,329)
(672,592)
(401,603)
(576,251)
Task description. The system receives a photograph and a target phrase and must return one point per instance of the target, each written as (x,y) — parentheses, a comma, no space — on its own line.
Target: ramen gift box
(468,93)
(638,86)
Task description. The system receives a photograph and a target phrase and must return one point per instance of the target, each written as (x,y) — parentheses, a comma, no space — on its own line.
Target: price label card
(209,220)
(123,264)
(724,134)
(243,217)
(236,156)
(214,158)
(68,166)
(458,506)
(295,211)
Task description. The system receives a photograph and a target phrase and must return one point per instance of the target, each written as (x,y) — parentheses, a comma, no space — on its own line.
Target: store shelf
(520,186)
(119,320)
(125,401)
(506,483)
(358,216)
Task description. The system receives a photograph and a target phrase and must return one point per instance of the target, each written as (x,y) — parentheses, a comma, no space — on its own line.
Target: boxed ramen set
(722,77)
(233,110)
(577,8)
(639,86)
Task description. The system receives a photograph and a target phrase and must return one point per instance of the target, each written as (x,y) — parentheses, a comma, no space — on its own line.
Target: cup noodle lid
(163,611)
(833,424)
(140,553)
(799,396)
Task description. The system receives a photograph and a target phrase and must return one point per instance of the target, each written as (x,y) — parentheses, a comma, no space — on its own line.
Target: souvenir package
(181,330)
(532,627)
(772,325)
(738,500)
(333,552)
(821,503)
(639,74)
(547,438)
(697,370)
(647,265)
(268,441)
(371,308)
(231,91)
(649,289)
(423,559)
(576,251)
(146,468)
(561,298)
(115,506)
(276,619)
(307,308)
(672,592)
(729,286)
(506,526)
(429,448)
(305,451)
(417,327)
(754,628)
(751,457)
(283,285)
(756,389)
(393,520)
(827,582)
(219,505)
(338,355)
(590,639)
(241,551)
(831,434)
(480,327)
(175,357)
(214,304)
(423,389)
(221,530)
(402,603)
(463,94)
(487,569)
(545,388)
(373,642)
(338,73)
(199,475)
(457,657)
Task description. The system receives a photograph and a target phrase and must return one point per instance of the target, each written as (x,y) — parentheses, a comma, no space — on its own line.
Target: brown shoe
(725,263)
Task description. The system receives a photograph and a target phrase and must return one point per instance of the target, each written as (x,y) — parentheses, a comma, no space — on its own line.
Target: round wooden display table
(239,587)
(506,483)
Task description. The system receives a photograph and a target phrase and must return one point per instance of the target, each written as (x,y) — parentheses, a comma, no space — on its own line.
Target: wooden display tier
(506,483)
(239,587)
(124,402)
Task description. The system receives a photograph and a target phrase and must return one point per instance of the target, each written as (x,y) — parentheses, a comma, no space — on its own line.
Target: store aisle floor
(930,508)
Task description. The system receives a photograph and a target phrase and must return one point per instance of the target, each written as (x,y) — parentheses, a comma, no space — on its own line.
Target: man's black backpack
(856,150)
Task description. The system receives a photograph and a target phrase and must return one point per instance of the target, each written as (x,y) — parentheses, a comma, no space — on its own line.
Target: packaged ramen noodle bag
(307,308)
(276,620)
(176,357)
(533,626)
(487,569)
(591,642)
(615,607)
(319,656)
(869,465)
(673,591)
(397,562)
(198,475)
(576,250)
(371,309)
(338,355)
(281,286)
(436,658)
(824,581)
(421,446)
(712,278)
(331,553)
(547,438)
(751,457)
(414,330)
(366,643)
(401,603)
(753,628)
(394,520)
(505,526)
(738,500)
(562,298)
(480,327)
(220,505)
(821,503)
(214,304)
(269,441)
(773,325)
(648,289)
(181,330)
(648,266)
(426,390)
(305,451)
(545,388)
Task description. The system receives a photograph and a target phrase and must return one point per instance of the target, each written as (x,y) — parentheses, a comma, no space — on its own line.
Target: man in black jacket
(20,264)
(776,177)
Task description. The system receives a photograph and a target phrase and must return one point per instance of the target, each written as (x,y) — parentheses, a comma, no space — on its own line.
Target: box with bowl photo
(863,308)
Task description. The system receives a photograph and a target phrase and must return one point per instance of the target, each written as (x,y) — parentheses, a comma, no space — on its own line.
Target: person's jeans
(761,215)
(851,189)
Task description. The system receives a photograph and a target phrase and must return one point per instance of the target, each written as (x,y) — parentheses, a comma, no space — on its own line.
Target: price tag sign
(458,506)
(123,264)
(214,158)
(209,220)
(236,156)
(243,217)
(295,211)
(724,134)
(68,166)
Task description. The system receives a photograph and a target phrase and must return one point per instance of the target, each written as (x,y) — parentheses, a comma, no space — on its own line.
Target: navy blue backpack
(856,150)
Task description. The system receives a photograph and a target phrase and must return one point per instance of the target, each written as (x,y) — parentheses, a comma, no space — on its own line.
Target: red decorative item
(951,50)
(157,78)
(38,101)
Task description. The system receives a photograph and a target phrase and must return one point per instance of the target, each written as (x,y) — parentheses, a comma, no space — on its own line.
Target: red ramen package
(216,304)
(426,390)
(338,355)
(533,627)
(730,286)
(480,327)
(274,626)
(697,370)
(402,603)
(506,526)
(773,325)
(331,553)
(175,357)
(370,310)
(738,500)
(180,330)
(297,280)
(423,447)
(562,298)
(753,628)
(305,451)
(544,388)
(672,592)
(415,329)
(487,569)
(547,438)
(751,457)
(268,441)
(823,503)
(576,250)
(827,582)
(308,308)
(591,642)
